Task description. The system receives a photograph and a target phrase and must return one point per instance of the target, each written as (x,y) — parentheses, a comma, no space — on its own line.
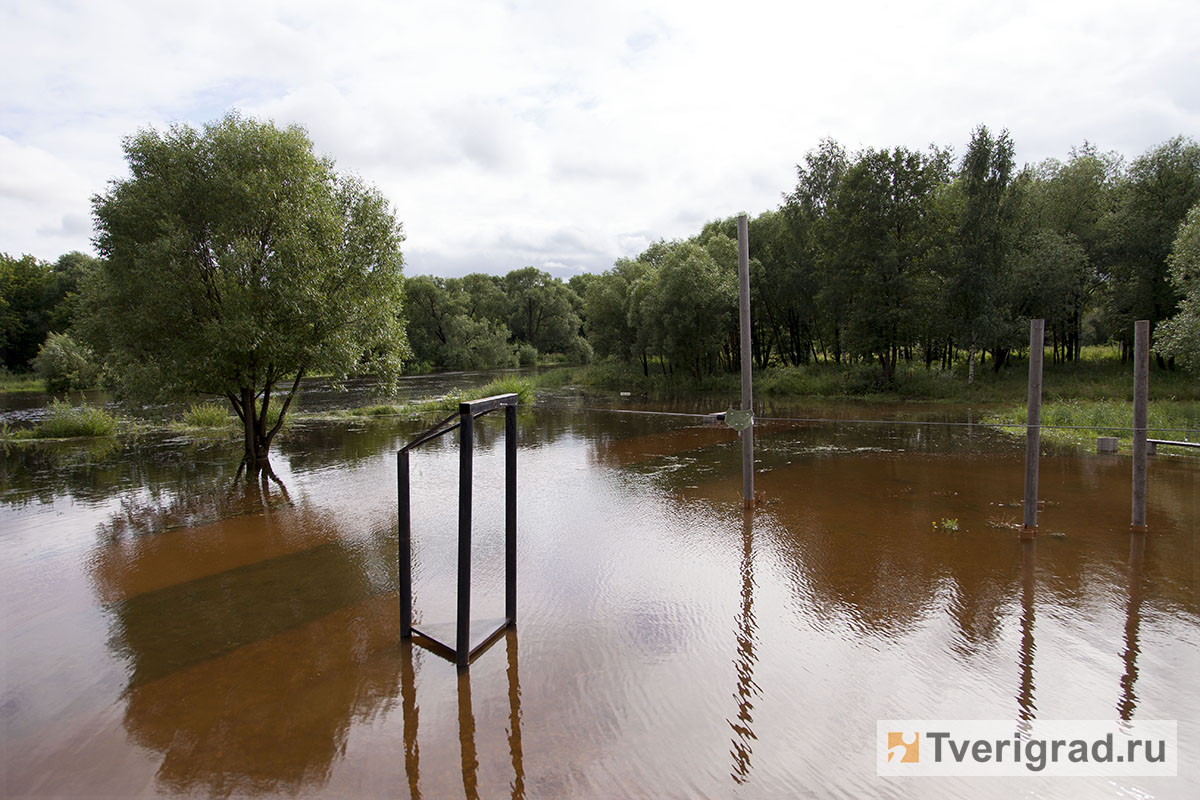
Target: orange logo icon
(904,747)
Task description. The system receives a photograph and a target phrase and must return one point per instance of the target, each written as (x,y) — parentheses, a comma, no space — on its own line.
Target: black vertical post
(462,646)
(1033,425)
(747,359)
(510,514)
(404,556)
(1141,393)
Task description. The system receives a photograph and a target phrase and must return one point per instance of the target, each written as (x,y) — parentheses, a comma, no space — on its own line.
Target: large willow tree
(236,261)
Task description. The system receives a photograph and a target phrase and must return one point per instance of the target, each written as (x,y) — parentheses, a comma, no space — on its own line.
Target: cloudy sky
(565,135)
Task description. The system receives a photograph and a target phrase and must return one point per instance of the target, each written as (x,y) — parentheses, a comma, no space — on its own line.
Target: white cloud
(573,134)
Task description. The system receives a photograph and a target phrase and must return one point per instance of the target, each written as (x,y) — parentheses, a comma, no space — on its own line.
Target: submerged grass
(1088,419)
(207,415)
(1098,375)
(64,421)
(521,387)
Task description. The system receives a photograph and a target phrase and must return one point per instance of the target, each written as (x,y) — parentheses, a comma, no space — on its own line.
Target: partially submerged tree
(236,261)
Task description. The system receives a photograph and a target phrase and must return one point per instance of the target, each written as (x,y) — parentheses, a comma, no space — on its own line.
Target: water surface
(171,630)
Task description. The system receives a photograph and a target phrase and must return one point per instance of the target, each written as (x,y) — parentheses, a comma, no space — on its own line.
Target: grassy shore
(1099,375)
(65,421)
(1084,420)
(22,382)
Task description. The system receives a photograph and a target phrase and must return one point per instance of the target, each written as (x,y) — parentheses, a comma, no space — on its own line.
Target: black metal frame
(467,642)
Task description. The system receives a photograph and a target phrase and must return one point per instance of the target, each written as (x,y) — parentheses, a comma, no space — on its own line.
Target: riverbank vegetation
(1099,373)
(65,421)
(1080,422)
(888,273)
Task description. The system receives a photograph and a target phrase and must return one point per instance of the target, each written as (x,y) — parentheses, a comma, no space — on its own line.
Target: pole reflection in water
(466,723)
(1025,698)
(408,697)
(747,689)
(466,736)
(514,717)
(1133,621)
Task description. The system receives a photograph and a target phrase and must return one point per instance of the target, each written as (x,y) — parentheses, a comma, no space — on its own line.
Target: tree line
(234,261)
(891,256)
(911,256)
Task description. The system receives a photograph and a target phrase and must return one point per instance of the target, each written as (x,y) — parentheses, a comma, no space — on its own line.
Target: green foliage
(236,261)
(522,387)
(527,355)
(207,415)
(445,331)
(66,365)
(37,297)
(1150,203)
(64,421)
(882,208)
(543,310)
(687,311)
(23,321)
(24,382)
(1180,336)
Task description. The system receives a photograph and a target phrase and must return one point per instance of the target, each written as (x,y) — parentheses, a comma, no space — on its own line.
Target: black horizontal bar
(486,404)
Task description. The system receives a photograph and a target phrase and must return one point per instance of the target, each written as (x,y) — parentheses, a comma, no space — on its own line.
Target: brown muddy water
(168,630)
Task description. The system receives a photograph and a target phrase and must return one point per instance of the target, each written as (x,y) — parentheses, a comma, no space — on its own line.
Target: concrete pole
(1141,393)
(1033,425)
(747,363)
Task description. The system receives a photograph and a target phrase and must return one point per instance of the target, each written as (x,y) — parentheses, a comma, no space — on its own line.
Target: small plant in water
(66,421)
(207,415)
(947,524)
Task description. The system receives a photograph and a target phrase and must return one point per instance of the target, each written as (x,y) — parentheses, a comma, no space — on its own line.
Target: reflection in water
(231,646)
(408,699)
(466,723)
(466,736)
(273,715)
(747,689)
(1025,699)
(253,643)
(514,717)
(198,500)
(1133,622)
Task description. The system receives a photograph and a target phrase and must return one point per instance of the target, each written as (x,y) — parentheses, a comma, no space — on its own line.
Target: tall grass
(64,421)
(207,415)
(521,387)
(1088,419)
(21,382)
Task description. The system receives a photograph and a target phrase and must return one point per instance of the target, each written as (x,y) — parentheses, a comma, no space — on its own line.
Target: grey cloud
(72,226)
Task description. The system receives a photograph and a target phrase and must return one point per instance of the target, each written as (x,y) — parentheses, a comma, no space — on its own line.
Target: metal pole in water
(1141,392)
(466,431)
(747,363)
(510,514)
(404,554)
(1033,422)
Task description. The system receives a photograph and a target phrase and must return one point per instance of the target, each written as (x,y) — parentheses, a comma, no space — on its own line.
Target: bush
(65,365)
(579,351)
(65,421)
(527,355)
(207,415)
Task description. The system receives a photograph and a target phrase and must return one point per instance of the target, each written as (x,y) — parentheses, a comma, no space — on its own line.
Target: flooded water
(170,630)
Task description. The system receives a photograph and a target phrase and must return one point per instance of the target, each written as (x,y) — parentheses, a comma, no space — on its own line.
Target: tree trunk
(971,364)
